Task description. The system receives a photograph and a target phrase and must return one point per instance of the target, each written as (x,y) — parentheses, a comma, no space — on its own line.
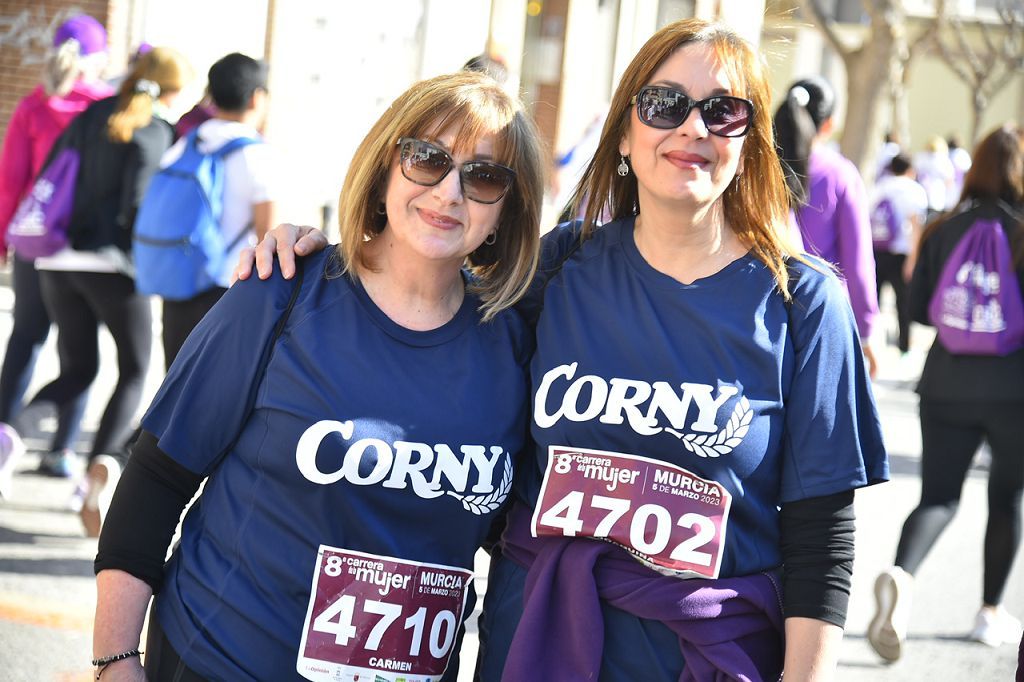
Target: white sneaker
(11,450)
(995,627)
(888,630)
(102,477)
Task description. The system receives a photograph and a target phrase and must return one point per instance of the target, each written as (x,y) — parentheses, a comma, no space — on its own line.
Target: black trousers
(78,302)
(28,333)
(181,317)
(951,433)
(889,268)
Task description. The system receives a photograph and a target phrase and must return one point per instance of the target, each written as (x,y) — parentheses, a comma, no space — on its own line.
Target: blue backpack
(177,246)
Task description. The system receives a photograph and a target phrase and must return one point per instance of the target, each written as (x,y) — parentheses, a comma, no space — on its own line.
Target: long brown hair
(755,203)
(472,105)
(996,174)
(167,69)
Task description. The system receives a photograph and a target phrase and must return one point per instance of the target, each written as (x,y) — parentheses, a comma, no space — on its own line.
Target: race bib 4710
(380,619)
(667,517)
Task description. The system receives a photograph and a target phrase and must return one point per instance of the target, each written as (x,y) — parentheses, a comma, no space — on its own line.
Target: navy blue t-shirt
(611,325)
(721,377)
(415,434)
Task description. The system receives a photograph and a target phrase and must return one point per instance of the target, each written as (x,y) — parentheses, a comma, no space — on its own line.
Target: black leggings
(78,302)
(889,268)
(951,433)
(31,325)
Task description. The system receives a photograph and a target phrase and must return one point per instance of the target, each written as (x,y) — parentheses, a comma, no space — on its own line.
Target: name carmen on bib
(616,401)
(399,464)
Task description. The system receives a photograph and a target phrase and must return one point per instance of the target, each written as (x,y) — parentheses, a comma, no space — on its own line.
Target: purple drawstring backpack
(977,306)
(885,225)
(40,225)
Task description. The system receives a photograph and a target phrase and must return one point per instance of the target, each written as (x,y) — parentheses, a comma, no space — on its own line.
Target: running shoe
(995,627)
(60,464)
(102,477)
(11,449)
(77,499)
(888,629)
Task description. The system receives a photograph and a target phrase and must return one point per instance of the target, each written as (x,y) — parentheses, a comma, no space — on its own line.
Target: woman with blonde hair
(119,141)
(70,83)
(701,407)
(336,533)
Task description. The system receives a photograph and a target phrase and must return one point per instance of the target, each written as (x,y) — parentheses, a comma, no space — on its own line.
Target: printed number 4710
(337,619)
(565,514)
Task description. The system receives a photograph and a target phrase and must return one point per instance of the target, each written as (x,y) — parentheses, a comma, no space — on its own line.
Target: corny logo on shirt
(401,464)
(649,409)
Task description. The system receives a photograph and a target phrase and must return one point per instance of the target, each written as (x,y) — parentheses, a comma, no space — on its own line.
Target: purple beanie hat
(89,33)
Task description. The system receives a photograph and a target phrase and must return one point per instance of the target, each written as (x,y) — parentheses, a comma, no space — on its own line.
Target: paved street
(47,595)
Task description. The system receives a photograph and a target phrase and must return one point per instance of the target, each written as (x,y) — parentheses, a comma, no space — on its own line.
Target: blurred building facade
(335,66)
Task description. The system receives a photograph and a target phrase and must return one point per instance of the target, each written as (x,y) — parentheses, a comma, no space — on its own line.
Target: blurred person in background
(832,202)
(898,209)
(203,110)
(890,148)
(965,399)
(71,82)
(89,282)
(961,160)
(237,86)
(491,64)
(936,174)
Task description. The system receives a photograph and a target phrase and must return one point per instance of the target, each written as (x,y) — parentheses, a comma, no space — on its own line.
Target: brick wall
(26,31)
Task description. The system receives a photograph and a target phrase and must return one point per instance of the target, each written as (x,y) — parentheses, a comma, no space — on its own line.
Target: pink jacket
(37,122)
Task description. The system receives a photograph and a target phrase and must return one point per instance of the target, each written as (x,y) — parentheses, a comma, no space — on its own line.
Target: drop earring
(382,209)
(623,167)
(491,238)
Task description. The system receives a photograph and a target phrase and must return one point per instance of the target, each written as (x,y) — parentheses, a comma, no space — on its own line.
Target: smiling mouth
(686,160)
(438,220)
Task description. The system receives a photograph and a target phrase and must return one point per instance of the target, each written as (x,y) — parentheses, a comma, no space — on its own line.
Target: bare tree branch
(966,51)
(1000,84)
(952,62)
(986,35)
(827,27)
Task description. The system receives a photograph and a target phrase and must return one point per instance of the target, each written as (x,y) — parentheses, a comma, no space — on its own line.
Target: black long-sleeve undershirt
(152,492)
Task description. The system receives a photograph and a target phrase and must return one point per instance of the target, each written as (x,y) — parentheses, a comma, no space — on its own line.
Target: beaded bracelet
(102,663)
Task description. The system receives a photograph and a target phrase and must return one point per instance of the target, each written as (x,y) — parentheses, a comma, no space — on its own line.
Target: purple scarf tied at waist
(728,629)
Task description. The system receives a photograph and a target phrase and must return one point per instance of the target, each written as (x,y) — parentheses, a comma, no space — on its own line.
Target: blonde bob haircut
(472,105)
(756,203)
(165,67)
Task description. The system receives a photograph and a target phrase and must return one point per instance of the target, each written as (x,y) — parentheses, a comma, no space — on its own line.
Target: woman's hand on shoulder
(285,241)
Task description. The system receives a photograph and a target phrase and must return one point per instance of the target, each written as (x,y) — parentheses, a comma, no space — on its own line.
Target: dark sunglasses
(427,164)
(665,108)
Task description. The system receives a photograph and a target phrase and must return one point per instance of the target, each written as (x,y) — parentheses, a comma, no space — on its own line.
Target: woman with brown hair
(336,532)
(119,141)
(965,398)
(701,407)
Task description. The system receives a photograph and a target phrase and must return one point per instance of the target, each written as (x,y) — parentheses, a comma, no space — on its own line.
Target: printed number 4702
(337,619)
(565,514)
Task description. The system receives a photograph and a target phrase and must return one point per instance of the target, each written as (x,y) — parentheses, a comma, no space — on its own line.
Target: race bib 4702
(380,619)
(669,518)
